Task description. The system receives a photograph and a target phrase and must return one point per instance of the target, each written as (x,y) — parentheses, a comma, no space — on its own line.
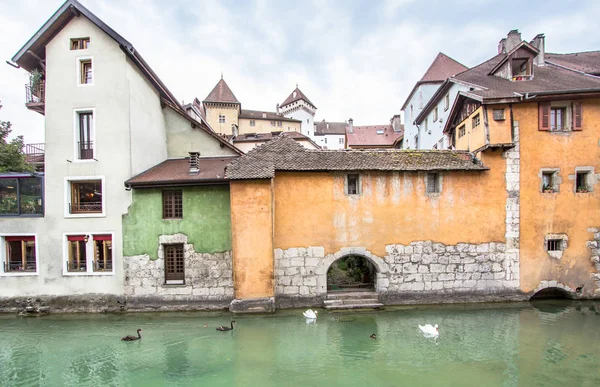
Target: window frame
(90,253)
(173,205)
(4,257)
(436,189)
(461,131)
(68,196)
(252,123)
(80,67)
(587,174)
(222,119)
(476,120)
(497,117)
(358,187)
(446,101)
(18,179)
(166,248)
(435,114)
(79,45)
(77,135)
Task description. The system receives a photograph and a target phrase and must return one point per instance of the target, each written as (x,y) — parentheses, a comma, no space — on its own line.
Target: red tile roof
(221,93)
(587,62)
(176,172)
(373,136)
(297,95)
(285,154)
(443,67)
(258,115)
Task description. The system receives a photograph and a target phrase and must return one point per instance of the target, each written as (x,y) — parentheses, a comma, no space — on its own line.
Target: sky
(353,59)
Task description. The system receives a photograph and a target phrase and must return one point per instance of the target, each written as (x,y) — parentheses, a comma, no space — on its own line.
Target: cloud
(356,59)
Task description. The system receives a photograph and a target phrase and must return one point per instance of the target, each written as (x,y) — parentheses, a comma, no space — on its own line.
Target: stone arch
(382,269)
(547,286)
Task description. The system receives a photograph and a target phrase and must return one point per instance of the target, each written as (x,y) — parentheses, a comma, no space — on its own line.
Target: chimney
(539,42)
(350,125)
(502,46)
(513,39)
(234,130)
(395,122)
(277,108)
(194,168)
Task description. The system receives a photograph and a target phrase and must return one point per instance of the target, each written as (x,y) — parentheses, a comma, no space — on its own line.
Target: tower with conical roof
(297,106)
(222,108)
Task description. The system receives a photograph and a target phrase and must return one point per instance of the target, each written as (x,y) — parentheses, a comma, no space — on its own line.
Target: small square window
(476,120)
(548,182)
(352,184)
(433,183)
(252,123)
(20,254)
(172,204)
(80,43)
(554,245)
(461,131)
(582,182)
(272,123)
(498,114)
(341,140)
(174,264)
(86,197)
(221,119)
(85,72)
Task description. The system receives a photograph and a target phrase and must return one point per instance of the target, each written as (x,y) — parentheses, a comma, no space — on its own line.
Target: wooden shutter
(577,116)
(544,116)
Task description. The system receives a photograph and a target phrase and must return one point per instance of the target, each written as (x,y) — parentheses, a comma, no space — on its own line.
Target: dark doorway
(551,293)
(352,272)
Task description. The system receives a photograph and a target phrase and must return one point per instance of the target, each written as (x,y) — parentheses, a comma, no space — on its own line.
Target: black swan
(373,336)
(132,338)
(224,328)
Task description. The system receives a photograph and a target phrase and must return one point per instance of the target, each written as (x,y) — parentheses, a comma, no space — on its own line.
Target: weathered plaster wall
(564,212)
(231,113)
(499,131)
(206,221)
(252,238)
(312,209)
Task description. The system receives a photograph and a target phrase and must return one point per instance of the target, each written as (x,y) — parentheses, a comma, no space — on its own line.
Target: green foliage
(35,77)
(12,158)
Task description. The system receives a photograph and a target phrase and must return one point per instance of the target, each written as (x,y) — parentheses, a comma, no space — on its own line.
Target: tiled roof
(252,137)
(176,172)
(587,62)
(373,135)
(221,93)
(258,115)
(442,68)
(546,79)
(285,154)
(322,128)
(296,95)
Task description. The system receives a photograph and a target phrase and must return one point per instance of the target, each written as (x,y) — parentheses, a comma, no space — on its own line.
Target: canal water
(549,343)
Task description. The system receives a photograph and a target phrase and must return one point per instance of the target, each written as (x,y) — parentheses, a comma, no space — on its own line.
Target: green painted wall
(206,221)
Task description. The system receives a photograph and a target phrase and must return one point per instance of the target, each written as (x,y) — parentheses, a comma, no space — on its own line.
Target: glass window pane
(31,195)
(8,197)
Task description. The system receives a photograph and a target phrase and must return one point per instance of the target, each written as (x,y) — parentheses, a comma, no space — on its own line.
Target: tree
(12,158)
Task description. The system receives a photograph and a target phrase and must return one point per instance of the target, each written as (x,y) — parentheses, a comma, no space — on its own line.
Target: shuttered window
(544,116)
(577,116)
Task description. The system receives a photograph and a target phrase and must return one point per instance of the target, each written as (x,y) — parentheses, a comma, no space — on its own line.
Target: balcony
(85,208)
(35,96)
(86,150)
(34,155)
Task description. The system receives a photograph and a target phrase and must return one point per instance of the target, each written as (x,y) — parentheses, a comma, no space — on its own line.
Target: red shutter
(19,238)
(75,237)
(544,116)
(577,116)
(102,237)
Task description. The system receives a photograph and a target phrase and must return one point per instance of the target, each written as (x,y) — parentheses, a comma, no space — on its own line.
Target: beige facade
(220,116)
(248,125)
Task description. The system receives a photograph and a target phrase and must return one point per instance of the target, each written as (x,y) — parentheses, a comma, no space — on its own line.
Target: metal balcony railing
(35,93)
(85,208)
(86,150)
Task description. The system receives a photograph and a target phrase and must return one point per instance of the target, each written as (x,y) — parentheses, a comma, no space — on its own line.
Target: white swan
(310,313)
(429,331)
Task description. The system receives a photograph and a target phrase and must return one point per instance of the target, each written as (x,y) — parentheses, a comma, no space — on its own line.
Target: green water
(552,344)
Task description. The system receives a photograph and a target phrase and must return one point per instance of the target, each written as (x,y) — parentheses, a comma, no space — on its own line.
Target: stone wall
(207,276)
(406,273)
(513,207)
(594,246)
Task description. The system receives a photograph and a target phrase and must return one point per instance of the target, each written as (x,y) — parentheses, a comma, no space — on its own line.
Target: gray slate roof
(285,154)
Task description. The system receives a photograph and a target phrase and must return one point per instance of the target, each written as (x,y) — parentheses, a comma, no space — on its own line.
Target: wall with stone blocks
(594,246)
(423,266)
(207,276)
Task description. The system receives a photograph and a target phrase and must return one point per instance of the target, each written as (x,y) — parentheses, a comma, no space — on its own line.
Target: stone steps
(351,295)
(352,300)
(348,301)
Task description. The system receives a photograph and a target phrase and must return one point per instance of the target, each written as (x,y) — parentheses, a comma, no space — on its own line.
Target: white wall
(300,110)
(418,101)
(331,141)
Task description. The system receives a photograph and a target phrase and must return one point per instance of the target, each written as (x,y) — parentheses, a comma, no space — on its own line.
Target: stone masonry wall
(594,246)
(207,276)
(513,206)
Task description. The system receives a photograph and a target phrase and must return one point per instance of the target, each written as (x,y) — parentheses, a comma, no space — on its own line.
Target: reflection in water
(491,345)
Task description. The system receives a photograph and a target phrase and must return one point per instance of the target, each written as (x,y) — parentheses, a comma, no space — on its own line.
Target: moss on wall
(206,221)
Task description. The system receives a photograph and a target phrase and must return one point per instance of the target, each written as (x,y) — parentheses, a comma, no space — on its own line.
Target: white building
(298,107)
(330,135)
(441,69)
(108,117)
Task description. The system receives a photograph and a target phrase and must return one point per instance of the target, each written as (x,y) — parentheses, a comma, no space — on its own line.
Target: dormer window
(521,69)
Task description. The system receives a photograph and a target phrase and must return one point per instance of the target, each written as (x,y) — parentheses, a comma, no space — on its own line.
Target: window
(425,124)
(272,123)
(86,197)
(498,114)
(308,121)
(560,116)
(446,101)
(252,123)
(476,120)
(582,182)
(221,119)
(325,140)
(19,254)
(102,252)
(461,131)
(77,250)
(21,194)
(411,112)
(433,183)
(554,245)
(80,43)
(435,114)
(85,71)
(340,140)
(89,253)
(557,119)
(416,141)
(279,123)
(172,204)
(352,184)
(85,131)
(174,264)
(548,182)
(521,69)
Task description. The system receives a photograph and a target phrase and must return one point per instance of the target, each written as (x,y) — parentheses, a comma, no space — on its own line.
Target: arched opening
(551,293)
(351,273)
